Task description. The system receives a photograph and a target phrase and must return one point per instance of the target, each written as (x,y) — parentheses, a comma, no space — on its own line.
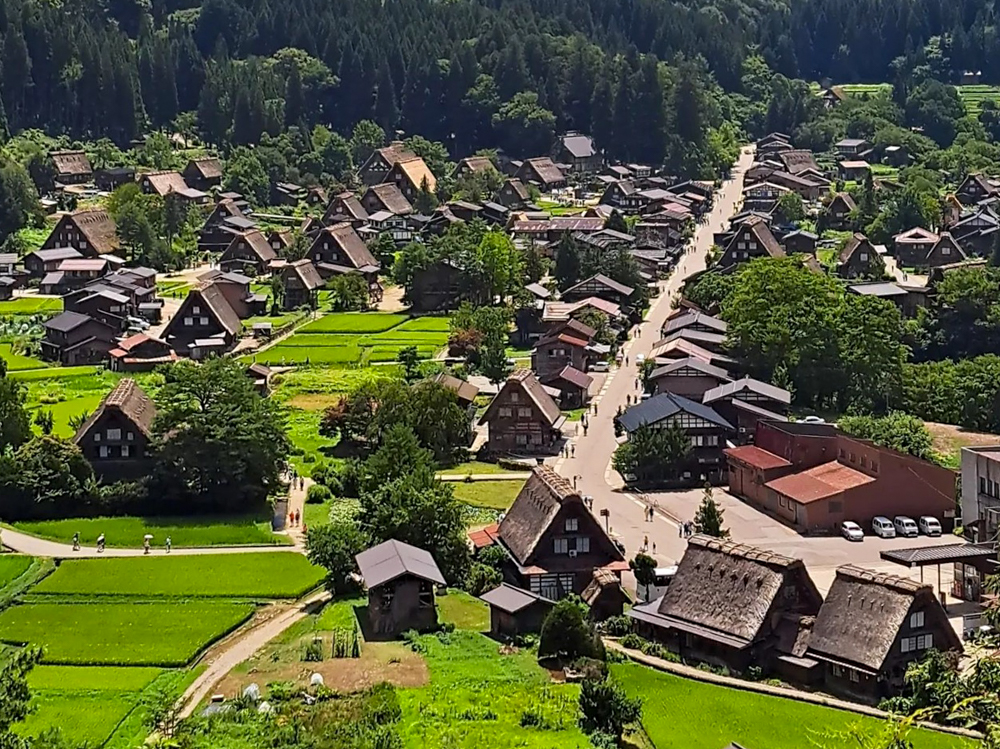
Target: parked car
(883,527)
(599,366)
(905,526)
(929,526)
(813,420)
(851,531)
(662,577)
(640,358)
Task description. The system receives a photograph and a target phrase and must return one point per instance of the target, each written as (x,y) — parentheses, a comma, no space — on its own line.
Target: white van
(905,526)
(883,527)
(929,526)
(661,581)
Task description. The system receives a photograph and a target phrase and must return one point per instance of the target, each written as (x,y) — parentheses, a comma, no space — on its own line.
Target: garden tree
(936,108)
(43,420)
(915,205)
(15,697)
(616,222)
(497,267)
(482,335)
(654,456)
(780,313)
(964,319)
(426,201)
(523,126)
(644,569)
(246,175)
(567,265)
(348,292)
(383,247)
(434,154)
(276,287)
(365,138)
(568,635)
(19,205)
(333,546)
(482,578)
(399,454)
(45,477)
(535,265)
(219,445)
(790,208)
(410,359)
(966,393)
(420,510)
(711,289)
(601,324)
(708,519)
(618,264)
(42,171)
(896,430)
(15,427)
(870,334)
(606,709)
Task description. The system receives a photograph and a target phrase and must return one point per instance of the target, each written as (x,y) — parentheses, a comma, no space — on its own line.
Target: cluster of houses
(740,607)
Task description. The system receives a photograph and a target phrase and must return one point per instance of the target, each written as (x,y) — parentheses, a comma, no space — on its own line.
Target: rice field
(31,305)
(253,575)
(110,634)
(18,362)
(972,96)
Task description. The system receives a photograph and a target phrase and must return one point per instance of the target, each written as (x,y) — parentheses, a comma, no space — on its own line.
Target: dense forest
(646,77)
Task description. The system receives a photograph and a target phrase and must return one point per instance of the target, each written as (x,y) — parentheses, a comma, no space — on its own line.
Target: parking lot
(821,554)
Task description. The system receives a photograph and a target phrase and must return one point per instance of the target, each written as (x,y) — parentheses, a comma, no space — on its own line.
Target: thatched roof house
(729,602)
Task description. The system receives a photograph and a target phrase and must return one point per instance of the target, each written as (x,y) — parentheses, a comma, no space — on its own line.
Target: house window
(946,250)
(854,675)
(189,321)
(842,452)
(505,412)
(908,644)
(925,642)
(583,545)
(388,593)
(572,524)
(561,546)
(196,310)
(864,462)
(97,436)
(114,434)
(536,439)
(203,321)
(864,257)
(916,620)
(524,413)
(874,466)
(125,451)
(103,451)
(426,598)
(521,439)
(852,457)
(838,670)
(515,397)
(130,436)
(752,245)
(982,485)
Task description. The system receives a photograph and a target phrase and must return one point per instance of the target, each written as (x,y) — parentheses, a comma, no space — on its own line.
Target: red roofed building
(559,349)
(814,476)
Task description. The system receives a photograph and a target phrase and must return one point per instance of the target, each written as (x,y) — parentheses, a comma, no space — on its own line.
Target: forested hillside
(471,74)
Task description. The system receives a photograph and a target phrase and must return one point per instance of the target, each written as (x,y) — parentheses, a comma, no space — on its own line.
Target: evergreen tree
(567,268)
(386,111)
(708,520)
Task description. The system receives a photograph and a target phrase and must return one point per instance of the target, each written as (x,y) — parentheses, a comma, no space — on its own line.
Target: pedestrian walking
(76,542)
(680,530)
(584,430)
(168,543)
(100,543)
(572,450)
(645,542)
(626,360)
(654,548)
(145,546)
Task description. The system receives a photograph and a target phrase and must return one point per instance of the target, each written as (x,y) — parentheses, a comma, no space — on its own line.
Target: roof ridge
(745,551)
(895,582)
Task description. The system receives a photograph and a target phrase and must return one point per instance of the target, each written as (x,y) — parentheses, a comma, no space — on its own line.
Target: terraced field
(972,96)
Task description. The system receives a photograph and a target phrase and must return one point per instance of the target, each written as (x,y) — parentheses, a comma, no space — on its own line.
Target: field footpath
(240,646)
(24,543)
(815,698)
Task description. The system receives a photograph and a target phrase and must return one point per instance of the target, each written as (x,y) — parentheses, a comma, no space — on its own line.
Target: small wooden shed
(400,579)
(515,611)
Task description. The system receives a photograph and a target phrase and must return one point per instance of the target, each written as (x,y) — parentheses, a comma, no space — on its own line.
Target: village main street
(590,464)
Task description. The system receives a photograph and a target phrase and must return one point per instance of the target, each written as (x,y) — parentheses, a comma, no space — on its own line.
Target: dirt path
(240,646)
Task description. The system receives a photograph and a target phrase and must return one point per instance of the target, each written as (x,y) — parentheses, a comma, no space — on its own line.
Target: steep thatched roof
(864,612)
(724,590)
(128,399)
(534,509)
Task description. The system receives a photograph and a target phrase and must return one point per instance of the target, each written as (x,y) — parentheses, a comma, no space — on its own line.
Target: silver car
(851,531)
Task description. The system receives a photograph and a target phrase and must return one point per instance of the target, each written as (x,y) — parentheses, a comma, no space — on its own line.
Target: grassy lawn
(108,634)
(88,718)
(473,467)
(316,514)
(339,613)
(681,713)
(477,697)
(260,575)
(29,305)
(310,446)
(53,373)
(12,566)
(16,362)
(496,495)
(464,611)
(210,530)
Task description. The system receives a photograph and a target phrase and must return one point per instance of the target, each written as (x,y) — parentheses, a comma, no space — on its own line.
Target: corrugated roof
(756,457)
(694,363)
(819,482)
(748,384)
(392,559)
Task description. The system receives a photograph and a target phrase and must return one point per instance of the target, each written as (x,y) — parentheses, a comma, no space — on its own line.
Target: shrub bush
(633,642)
(567,634)
(314,651)
(318,494)
(618,626)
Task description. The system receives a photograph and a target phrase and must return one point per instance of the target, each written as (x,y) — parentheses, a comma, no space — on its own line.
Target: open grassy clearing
(310,446)
(496,495)
(92,678)
(682,713)
(464,611)
(260,575)
(477,697)
(128,531)
(473,467)
(12,566)
(31,305)
(109,634)
(16,362)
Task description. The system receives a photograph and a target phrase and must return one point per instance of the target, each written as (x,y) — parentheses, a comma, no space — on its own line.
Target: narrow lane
(590,466)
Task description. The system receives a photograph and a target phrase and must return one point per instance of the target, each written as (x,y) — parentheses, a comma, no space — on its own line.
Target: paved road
(591,465)
(39,547)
